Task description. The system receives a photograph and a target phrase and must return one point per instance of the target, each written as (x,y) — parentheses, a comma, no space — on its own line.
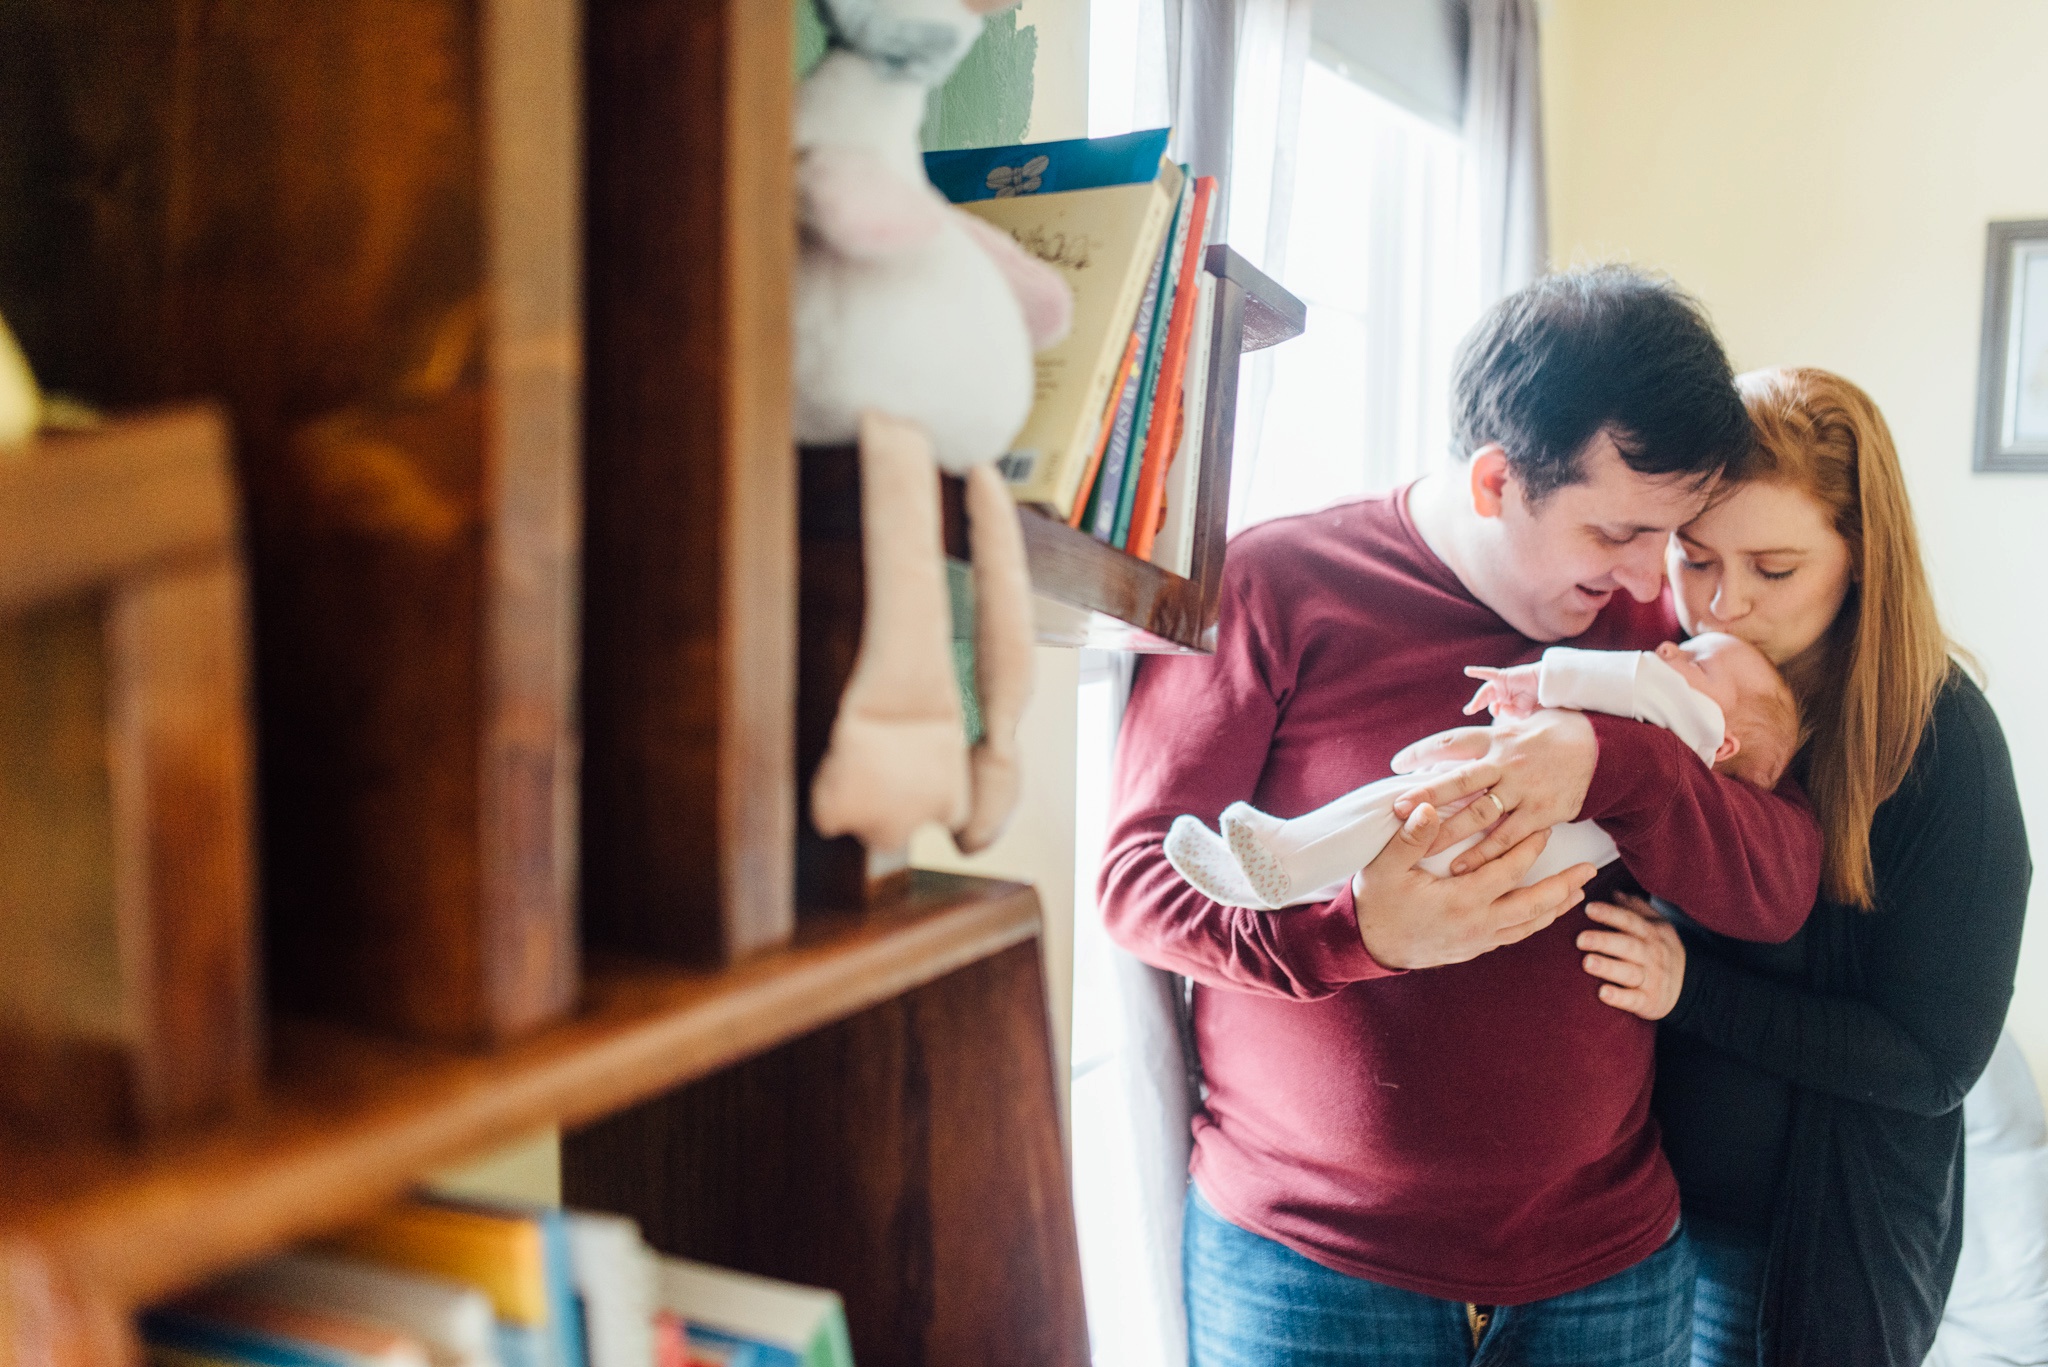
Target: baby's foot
(1248,832)
(1199,855)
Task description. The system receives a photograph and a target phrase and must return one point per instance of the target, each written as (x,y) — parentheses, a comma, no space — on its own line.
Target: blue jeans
(1726,1296)
(1256,1303)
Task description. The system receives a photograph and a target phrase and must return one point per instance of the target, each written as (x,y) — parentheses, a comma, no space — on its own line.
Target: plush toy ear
(1041,291)
(854,204)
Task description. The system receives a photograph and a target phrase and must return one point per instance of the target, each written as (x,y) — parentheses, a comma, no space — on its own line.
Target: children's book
(614,1273)
(1155,358)
(452,1321)
(358,1342)
(1141,522)
(1174,547)
(1109,479)
(1104,242)
(786,1325)
(1048,168)
(502,1254)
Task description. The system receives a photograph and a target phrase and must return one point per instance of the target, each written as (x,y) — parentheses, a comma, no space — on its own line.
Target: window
(1377,249)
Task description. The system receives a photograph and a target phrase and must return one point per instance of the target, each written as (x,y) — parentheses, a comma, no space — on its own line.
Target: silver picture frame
(2012,374)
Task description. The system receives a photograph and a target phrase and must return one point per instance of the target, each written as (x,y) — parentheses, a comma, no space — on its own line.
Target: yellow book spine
(502,1256)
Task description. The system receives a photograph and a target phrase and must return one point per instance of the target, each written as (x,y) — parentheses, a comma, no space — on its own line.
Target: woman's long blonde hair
(1867,692)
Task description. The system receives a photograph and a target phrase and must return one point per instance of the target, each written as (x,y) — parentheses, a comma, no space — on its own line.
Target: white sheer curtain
(1381,251)
(1226,74)
(1504,144)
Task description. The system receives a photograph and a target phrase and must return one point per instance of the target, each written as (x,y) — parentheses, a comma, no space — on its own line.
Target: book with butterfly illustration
(1048,168)
(1106,240)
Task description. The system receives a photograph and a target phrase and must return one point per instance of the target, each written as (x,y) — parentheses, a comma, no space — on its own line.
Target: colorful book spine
(1174,549)
(1159,440)
(1084,505)
(1155,360)
(1109,479)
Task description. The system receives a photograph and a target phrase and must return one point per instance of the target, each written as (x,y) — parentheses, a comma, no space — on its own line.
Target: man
(1425,1140)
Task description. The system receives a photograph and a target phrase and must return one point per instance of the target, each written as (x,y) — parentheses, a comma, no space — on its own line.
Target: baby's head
(1755,701)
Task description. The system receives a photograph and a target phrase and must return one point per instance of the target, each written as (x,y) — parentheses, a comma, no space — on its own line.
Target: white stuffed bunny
(903,303)
(915,326)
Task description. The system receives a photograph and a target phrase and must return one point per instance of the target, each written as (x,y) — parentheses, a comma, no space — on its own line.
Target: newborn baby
(1716,693)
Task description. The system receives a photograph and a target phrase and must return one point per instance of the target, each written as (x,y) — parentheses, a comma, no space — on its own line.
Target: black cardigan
(1891,1019)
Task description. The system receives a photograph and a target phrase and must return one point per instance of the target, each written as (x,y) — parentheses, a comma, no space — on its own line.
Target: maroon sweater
(1477,1132)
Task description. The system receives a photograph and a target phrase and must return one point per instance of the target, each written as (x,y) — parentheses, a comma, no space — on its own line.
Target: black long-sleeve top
(1816,1090)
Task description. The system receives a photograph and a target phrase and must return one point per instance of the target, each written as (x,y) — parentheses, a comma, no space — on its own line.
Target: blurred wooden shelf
(350,1120)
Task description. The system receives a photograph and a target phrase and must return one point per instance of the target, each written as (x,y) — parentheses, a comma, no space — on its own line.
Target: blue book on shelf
(1045,168)
(209,1338)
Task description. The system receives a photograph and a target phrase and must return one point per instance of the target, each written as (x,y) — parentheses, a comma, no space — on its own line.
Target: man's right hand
(1411,918)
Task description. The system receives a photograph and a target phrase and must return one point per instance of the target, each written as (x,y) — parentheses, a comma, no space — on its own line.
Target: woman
(1811,1092)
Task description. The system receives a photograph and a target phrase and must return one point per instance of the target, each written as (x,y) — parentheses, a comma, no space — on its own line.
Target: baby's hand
(1504,692)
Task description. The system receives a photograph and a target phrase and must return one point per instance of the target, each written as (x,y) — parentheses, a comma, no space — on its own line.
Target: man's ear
(1730,748)
(1488,474)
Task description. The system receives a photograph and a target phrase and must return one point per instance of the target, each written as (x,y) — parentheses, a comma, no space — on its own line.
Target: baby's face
(1721,666)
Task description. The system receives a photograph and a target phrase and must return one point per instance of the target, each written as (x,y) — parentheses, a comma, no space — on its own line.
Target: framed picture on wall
(2012,378)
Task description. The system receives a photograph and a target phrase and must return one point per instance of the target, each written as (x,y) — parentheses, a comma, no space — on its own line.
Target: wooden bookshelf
(349,1119)
(1089,593)
(475,378)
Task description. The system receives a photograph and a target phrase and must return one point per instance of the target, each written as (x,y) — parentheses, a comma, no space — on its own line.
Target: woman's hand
(1641,957)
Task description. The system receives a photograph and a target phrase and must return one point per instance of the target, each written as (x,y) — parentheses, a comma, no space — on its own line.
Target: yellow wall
(1820,173)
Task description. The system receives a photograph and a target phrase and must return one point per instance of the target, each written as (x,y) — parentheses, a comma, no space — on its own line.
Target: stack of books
(1113,442)
(442,1283)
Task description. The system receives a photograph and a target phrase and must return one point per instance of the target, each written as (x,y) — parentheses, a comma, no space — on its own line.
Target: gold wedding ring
(1500,809)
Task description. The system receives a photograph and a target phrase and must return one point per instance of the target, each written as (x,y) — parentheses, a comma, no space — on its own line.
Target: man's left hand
(1531,774)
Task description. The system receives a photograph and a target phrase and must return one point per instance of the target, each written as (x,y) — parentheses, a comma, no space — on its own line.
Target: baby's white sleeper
(1266,862)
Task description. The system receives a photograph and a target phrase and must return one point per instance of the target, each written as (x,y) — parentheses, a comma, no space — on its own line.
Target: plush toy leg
(898,753)
(1002,653)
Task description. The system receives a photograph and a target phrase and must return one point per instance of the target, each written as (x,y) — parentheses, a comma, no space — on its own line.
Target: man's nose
(1642,574)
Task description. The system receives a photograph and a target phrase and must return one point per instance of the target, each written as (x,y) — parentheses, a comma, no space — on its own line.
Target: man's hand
(1505,692)
(1532,773)
(1410,918)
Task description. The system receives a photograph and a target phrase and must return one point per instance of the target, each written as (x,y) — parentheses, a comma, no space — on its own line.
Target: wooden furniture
(865,1098)
(128,991)
(349,1119)
(1088,592)
(354,225)
(1092,594)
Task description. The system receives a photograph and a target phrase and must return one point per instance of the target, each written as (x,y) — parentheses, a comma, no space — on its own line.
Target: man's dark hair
(1610,347)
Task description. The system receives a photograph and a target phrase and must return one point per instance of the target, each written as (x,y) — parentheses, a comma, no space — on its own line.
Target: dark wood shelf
(350,1120)
(1092,594)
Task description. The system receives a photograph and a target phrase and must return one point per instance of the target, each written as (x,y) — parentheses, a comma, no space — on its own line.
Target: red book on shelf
(1159,440)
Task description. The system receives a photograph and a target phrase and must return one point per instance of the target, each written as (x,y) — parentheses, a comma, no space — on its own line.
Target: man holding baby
(1426,1137)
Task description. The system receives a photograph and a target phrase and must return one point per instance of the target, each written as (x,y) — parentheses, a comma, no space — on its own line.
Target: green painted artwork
(987,100)
(810,38)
